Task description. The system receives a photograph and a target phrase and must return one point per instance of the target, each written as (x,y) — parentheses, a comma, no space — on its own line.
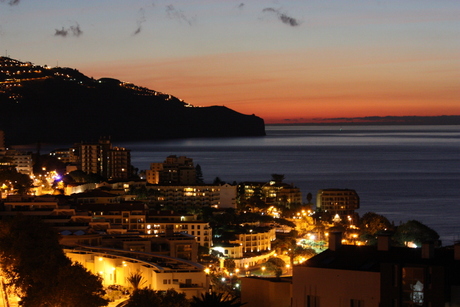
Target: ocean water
(402,172)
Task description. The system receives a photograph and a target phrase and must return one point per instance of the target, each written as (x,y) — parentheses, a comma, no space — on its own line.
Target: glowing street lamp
(263,270)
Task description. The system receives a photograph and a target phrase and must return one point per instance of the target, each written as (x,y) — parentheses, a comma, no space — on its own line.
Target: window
(356,303)
(413,280)
(312,301)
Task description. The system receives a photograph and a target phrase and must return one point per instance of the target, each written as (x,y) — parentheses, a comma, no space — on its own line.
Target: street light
(263,270)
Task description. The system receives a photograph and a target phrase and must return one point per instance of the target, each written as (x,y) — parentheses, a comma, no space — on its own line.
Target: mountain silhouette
(44,104)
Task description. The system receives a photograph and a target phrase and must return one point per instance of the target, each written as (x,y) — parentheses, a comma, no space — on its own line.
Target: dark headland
(44,104)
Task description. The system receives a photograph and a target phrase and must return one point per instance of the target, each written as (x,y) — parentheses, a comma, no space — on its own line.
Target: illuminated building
(382,275)
(153,174)
(21,161)
(116,217)
(273,193)
(65,155)
(184,196)
(337,201)
(256,239)
(102,159)
(159,272)
(174,170)
(187,224)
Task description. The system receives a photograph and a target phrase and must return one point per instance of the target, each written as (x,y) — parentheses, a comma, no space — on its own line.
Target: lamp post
(263,270)
(288,266)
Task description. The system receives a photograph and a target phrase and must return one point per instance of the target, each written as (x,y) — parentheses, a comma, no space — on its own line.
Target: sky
(285,61)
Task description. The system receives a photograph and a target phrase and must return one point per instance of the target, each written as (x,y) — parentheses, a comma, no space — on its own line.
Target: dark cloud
(140,20)
(11,2)
(63,32)
(76,31)
(72,30)
(283,17)
(174,13)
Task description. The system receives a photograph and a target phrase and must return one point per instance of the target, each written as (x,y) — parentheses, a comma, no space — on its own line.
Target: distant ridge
(381,120)
(44,104)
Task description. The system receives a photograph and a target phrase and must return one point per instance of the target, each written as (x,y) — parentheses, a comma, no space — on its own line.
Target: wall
(335,288)
(257,292)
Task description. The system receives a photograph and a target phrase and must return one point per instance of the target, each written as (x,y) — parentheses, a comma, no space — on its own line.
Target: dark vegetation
(36,268)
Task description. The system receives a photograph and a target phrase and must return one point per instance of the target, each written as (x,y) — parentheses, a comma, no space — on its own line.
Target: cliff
(61,105)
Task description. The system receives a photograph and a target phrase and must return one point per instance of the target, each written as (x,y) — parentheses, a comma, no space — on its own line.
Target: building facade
(102,159)
(255,240)
(374,276)
(159,272)
(200,230)
(337,201)
(272,193)
(217,196)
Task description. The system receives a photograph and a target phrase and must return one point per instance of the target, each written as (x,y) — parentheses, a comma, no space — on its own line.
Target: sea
(402,172)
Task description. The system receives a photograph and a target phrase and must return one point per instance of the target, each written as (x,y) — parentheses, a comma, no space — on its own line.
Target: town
(254,243)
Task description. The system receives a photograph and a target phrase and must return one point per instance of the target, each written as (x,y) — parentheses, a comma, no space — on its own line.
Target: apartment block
(256,239)
(182,196)
(337,201)
(102,159)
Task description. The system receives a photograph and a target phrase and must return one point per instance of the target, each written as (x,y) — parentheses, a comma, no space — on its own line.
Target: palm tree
(214,299)
(136,280)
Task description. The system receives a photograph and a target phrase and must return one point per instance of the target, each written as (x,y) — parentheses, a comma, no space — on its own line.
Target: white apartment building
(256,239)
(159,272)
(22,161)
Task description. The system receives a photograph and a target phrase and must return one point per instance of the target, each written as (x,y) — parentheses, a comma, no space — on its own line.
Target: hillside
(63,105)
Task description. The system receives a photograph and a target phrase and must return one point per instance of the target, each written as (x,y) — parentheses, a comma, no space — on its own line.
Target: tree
(37,270)
(416,232)
(300,254)
(214,299)
(218,181)
(230,265)
(309,198)
(199,174)
(277,178)
(275,265)
(136,280)
(76,287)
(372,223)
(148,297)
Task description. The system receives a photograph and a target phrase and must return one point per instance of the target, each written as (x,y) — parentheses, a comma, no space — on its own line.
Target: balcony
(189,286)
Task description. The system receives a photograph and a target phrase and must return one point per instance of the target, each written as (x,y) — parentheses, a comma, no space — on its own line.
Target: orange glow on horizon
(284,88)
